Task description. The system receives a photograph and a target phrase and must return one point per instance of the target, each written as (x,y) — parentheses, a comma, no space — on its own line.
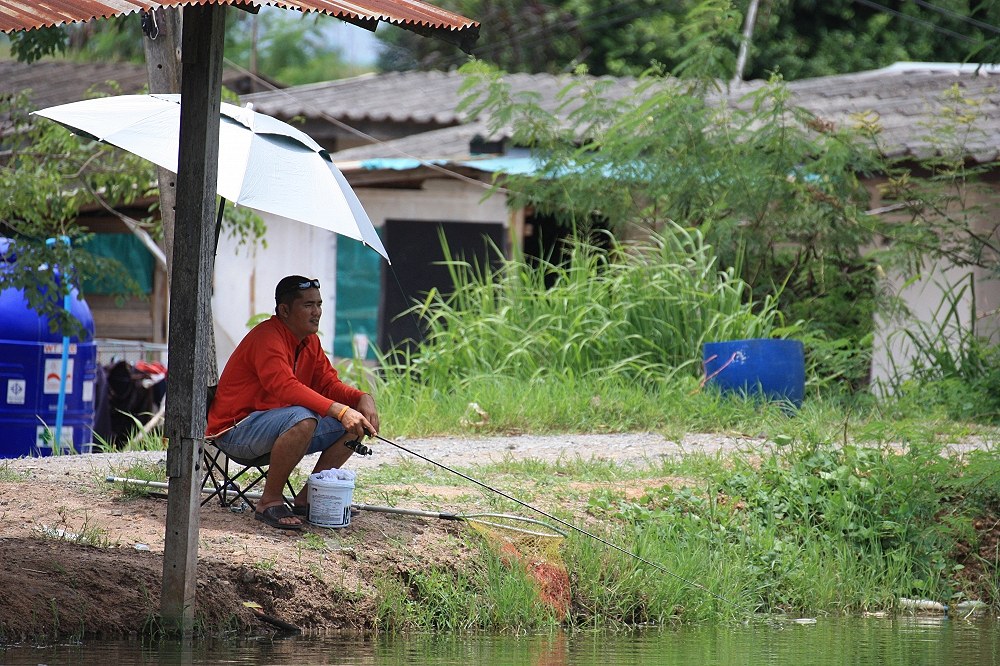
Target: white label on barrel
(16,389)
(53,375)
(43,438)
(56,348)
(88,391)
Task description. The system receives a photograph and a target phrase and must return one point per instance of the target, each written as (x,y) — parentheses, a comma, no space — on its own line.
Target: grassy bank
(795,527)
(846,505)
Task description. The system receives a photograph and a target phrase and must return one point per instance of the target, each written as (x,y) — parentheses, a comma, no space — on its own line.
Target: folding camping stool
(226,475)
(220,482)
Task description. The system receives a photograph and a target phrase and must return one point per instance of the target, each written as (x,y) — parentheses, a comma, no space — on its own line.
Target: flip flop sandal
(272,516)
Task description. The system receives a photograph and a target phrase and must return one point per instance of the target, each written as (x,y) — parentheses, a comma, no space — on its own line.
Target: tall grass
(636,313)
(952,366)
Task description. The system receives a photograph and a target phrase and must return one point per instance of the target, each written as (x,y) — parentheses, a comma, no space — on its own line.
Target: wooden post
(163,68)
(201,88)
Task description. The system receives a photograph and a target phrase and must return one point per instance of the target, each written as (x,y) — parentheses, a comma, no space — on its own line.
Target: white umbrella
(264,163)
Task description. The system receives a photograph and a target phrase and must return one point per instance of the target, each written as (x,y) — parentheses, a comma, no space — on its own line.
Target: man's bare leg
(288,450)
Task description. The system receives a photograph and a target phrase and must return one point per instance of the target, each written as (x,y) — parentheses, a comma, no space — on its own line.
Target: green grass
(8,473)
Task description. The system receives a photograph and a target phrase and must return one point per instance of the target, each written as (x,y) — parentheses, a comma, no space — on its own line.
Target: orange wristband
(342,412)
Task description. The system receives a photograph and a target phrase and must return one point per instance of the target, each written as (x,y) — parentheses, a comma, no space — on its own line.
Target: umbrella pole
(218,224)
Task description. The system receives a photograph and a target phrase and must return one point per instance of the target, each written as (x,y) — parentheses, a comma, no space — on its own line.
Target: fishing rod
(548,515)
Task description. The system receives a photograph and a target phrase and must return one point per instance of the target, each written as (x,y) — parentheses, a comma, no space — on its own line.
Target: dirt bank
(81,557)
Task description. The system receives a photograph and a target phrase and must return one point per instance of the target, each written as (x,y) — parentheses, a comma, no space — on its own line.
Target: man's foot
(279,516)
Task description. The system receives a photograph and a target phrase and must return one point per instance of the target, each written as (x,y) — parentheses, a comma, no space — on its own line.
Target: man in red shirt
(279,393)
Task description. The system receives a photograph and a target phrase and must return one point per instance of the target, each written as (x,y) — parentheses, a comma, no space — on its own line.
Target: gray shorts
(255,435)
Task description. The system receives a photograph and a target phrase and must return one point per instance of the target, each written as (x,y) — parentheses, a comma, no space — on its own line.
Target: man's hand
(367,407)
(359,422)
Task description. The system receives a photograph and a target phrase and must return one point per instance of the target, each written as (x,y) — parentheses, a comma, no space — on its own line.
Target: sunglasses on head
(307,284)
(300,286)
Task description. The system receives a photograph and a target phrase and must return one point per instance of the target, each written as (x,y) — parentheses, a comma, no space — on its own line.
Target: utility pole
(741,59)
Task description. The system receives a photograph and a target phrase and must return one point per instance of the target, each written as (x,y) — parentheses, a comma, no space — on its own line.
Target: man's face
(303,314)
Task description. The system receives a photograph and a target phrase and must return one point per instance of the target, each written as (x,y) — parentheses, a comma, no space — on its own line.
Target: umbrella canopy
(264,163)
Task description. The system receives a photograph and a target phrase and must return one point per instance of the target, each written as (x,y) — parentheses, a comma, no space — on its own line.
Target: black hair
(289,287)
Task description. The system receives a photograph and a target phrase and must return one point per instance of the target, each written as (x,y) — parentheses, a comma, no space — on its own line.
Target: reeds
(637,312)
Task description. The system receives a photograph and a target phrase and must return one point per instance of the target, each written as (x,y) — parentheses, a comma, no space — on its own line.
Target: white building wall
(925,298)
(439,200)
(245,276)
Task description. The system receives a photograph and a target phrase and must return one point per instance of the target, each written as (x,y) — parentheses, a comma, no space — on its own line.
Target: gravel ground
(629,448)
(637,449)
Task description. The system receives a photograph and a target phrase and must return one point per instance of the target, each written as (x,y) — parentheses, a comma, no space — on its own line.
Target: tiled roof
(447,143)
(61,81)
(404,97)
(906,97)
(56,81)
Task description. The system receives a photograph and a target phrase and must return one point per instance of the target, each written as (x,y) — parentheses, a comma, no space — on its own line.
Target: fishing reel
(358,448)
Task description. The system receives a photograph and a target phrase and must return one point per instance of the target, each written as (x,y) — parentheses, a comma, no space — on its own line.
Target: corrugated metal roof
(412,14)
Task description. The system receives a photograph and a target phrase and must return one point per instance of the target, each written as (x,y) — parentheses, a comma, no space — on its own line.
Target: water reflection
(892,642)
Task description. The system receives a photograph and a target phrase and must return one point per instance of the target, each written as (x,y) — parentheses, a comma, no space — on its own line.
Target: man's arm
(360,420)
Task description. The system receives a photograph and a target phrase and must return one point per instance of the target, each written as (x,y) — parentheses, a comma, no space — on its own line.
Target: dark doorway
(416,251)
(545,239)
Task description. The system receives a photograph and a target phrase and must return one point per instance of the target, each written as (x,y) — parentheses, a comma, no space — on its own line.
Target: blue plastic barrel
(758,367)
(30,377)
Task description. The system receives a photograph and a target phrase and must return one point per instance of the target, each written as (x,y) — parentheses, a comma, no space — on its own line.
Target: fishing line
(559,520)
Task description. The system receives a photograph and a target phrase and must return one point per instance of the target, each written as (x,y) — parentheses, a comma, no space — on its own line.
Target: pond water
(828,642)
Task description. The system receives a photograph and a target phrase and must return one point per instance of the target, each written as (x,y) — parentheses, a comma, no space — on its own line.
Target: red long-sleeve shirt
(270,369)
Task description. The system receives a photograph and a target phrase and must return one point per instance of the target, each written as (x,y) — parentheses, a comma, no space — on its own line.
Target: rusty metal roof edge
(16,16)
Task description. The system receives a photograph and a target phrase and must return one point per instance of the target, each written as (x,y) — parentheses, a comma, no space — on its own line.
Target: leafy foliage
(817,525)
(638,312)
(798,39)
(809,38)
(774,189)
(48,175)
(286,46)
(31,45)
(952,365)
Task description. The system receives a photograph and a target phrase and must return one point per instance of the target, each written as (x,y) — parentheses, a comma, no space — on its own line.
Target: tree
(798,38)
(48,175)
(289,47)
(808,38)
(292,48)
(776,191)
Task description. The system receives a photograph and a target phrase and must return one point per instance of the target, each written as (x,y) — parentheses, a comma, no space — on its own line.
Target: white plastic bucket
(330,501)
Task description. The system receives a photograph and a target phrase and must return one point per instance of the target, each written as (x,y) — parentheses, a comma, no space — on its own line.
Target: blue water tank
(30,374)
(757,367)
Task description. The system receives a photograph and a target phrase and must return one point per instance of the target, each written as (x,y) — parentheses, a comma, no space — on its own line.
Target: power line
(960,17)
(913,19)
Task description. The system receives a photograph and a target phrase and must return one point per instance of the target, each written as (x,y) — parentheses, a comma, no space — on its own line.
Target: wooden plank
(201,89)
